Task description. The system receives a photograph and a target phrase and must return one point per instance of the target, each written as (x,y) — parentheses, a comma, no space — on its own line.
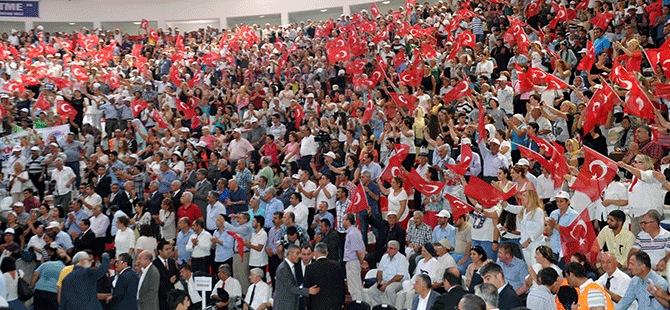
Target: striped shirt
(353,243)
(656,247)
(35,165)
(541,298)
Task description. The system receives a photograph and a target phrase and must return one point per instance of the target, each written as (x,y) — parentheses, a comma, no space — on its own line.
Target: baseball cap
(523,161)
(9,231)
(53,224)
(494,140)
(444,213)
(519,117)
(563,194)
(331,155)
(391,213)
(35,148)
(202,144)
(445,243)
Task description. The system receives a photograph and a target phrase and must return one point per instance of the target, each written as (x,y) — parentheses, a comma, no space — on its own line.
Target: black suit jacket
(508,299)
(154,203)
(397,234)
(176,199)
(450,299)
(121,200)
(165,285)
(125,291)
(85,241)
(332,240)
(104,186)
(328,275)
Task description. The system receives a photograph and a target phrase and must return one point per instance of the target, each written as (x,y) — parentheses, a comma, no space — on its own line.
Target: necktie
(609,282)
(253,291)
(298,272)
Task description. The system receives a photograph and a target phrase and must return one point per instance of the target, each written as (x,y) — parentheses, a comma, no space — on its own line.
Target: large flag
(596,173)
(359,201)
(580,237)
(487,195)
(466,158)
(423,186)
(461,89)
(458,207)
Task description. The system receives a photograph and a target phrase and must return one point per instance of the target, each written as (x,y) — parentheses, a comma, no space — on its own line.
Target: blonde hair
(533,204)
(645,160)
(635,43)
(572,106)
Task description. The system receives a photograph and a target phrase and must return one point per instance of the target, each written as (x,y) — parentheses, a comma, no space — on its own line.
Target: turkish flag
(401,150)
(461,89)
(102,56)
(36,51)
(427,51)
(584,4)
(525,84)
(369,109)
(88,42)
(383,35)
(559,163)
(195,80)
(153,35)
(530,154)
(159,119)
(466,38)
(599,106)
(587,62)
(596,173)
(138,106)
(555,83)
(536,75)
(377,74)
(639,104)
(466,13)
(338,54)
(411,77)
(533,8)
(13,86)
(174,76)
(211,57)
(49,49)
(393,169)
(179,42)
(67,45)
(358,81)
(466,158)
(458,207)
(359,200)
(239,244)
(4,53)
(185,108)
(65,110)
(374,10)
(423,186)
(42,103)
(60,83)
(486,194)
(356,66)
(299,115)
(29,80)
(400,58)
(114,81)
(579,236)
(544,145)
(79,73)
(368,27)
(404,100)
(137,50)
(40,72)
(144,23)
(602,20)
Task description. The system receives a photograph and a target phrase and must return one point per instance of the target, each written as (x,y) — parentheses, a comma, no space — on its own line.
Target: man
(99,225)
(183,237)
(388,230)
(243,229)
(454,290)
(645,146)
(119,198)
(306,188)
(227,289)
(330,238)
(493,159)
(308,148)
(644,193)
(103,182)
(328,275)
(425,297)
(188,177)
(257,256)
(591,294)
(325,193)
(514,269)
(260,295)
(561,217)
(272,205)
(86,240)
(289,221)
(73,153)
(238,197)
(353,257)
(214,208)
(36,169)
(444,261)
(201,190)
(288,289)
(90,199)
(64,177)
(418,233)
(266,172)
(444,230)
(199,245)
(271,247)
(654,240)
(188,208)
(125,285)
(639,266)
(239,148)
(368,164)
(147,293)
(461,253)
(154,199)
(168,272)
(306,256)
(616,239)
(62,238)
(392,270)
(341,206)
(614,280)
(545,128)
(541,297)
(79,288)
(166,176)
(299,209)
(322,213)
(175,194)
(223,244)
(188,283)
(489,293)
(493,273)
(74,217)
(372,194)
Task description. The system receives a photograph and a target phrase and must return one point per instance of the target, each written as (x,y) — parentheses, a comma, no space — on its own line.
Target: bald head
(145,258)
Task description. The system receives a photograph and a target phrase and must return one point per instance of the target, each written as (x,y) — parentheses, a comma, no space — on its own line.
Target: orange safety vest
(583,297)
(559,305)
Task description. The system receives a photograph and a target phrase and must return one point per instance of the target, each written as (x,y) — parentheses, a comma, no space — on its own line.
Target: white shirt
(142,276)
(300,211)
(202,248)
(213,212)
(99,225)
(308,146)
(258,258)
(62,177)
(308,187)
(332,189)
(443,262)
(423,302)
(618,284)
(124,241)
(93,200)
(645,194)
(192,293)
(613,191)
(233,287)
(262,294)
(39,243)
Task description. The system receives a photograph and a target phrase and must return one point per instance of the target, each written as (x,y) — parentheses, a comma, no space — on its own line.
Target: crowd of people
(438,156)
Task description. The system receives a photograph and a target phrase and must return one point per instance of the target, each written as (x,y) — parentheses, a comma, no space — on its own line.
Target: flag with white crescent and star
(597,172)
(579,236)
(359,201)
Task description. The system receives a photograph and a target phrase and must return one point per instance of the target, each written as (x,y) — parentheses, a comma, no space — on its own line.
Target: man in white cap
(62,238)
(13,39)
(443,230)
(36,170)
(239,148)
(505,96)
(329,165)
(13,158)
(493,159)
(561,217)
(526,164)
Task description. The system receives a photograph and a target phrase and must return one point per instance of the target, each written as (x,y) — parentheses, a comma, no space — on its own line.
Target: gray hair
(266,160)
(425,279)
(214,194)
(58,160)
(417,212)
(155,182)
(442,147)
(77,258)
(164,162)
(177,182)
(225,268)
(321,248)
(188,195)
(654,215)
(393,242)
(202,171)
(271,191)
(257,272)
(489,293)
(367,173)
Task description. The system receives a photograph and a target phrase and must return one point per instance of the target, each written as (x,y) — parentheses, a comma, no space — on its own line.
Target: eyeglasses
(646,223)
(390,248)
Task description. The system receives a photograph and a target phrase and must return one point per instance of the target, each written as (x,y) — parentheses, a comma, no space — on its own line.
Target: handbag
(23,290)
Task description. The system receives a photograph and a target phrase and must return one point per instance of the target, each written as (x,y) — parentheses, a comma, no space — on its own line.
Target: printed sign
(19,8)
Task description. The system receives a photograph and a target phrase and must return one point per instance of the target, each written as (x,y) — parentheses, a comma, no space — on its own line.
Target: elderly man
(227,289)
(272,205)
(99,225)
(444,230)
(238,198)
(64,177)
(493,159)
(188,208)
(654,240)
(418,233)
(614,280)
(214,208)
(645,146)
(165,177)
(388,230)
(79,286)
(392,270)
(639,266)
(260,292)
(147,288)
(239,148)
(242,227)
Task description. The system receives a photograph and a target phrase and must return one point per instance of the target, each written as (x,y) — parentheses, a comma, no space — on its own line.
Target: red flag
(466,13)
(466,38)
(13,86)
(423,186)
(427,51)
(114,81)
(185,108)
(79,73)
(374,10)
(138,106)
(655,10)
(466,158)
(530,154)
(179,42)
(29,80)
(596,173)
(525,84)
(400,58)
(67,45)
(299,115)
(599,106)
(536,75)
(88,42)
(602,20)
(383,35)
(359,201)
(239,244)
(193,101)
(587,62)
(401,151)
(102,56)
(411,77)
(42,103)
(4,53)
(533,8)
(462,89)
(639,104)
(358,81)
(377,74)
(60,83)
(544,145)
(144,23)
(369,109)
(560,165)
(458,207)
(393,169)
(579,237)
(338,54)
(153,35)
(404,100)
(356,66)
(584,4)
(487,195)
(36,51)
(64,109)
(159,119)
(49,49)
(555,83)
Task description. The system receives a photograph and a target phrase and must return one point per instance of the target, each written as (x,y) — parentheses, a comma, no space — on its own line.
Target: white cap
(523,161)
(18,204)
(16,149)
(466,141)
(184,129)
(341,72)
(178,153)
(519,117)
(202,144)
(355,142)
(444,213)
(330,154)
(35,148)
(391,213)
(563,195)
(494,140)
(253,120)
(135,156)
(502,78)
(295,176)
(53,224)
(310,95)
(9,231)
(238,130)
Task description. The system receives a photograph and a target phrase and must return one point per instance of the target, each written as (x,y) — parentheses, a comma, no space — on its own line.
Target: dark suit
(332,240)
(176,199)
(432,296)
(328,275)
(508,299)
(103,188)
(154,203)
(288,292)
(190,181)
(165,285)
(386,234)
(80,287)
(449,300)
(125,291)
(121,199)
(85,241)
(200,196)
(149,290)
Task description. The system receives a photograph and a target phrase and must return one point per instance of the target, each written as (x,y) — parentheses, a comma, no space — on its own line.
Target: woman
(124,241)
(505,146)
(591,271)
(166,220)
(518,174)
(530,222)
(18,181)
(176,164)
(478,257)
(518,134)
(103,159)
(292,149)
(572,152)
(45,278)
(544,258)
(141,217)
(270,148)
(45,216)
(397,198)
(601,66)
(507,220)
(11,277)
(407,138)
(562,119)
(146,241)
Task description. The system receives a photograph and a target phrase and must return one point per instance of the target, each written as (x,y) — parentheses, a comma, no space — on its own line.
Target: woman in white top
(124,241)
(146,241)
(11,278)
(505,145)
(166,219)
(17,181)
(397,197)
(544,257)
(407,137)
(530,223)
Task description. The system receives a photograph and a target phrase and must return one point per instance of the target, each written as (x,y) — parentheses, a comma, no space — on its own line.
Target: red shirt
(31,203)
(192,212)
(258,102)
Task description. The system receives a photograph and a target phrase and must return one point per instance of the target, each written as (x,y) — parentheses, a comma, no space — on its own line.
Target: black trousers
(273,263)
(199,264)
(34,177)
(45,300)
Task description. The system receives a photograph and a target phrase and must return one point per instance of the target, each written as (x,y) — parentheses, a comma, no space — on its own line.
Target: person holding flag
(561,217)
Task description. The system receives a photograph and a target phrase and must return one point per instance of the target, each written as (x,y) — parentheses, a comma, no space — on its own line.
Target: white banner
(8,142)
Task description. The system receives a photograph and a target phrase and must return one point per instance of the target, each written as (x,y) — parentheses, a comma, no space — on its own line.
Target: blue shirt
(117,215)
(449,233)
(515,273)
(601,44)
(491,162)
(327,215)
(375,170)
(166,181)
(271,207)
(223,252)
(565,220)
(74,226)
(118,165)
(183,256)
(353,243)
(374,204)
(224,195)
(244,231)
(239,195)
(64,240)
(110,111)
(212,213)
(49,272)
(637,290)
